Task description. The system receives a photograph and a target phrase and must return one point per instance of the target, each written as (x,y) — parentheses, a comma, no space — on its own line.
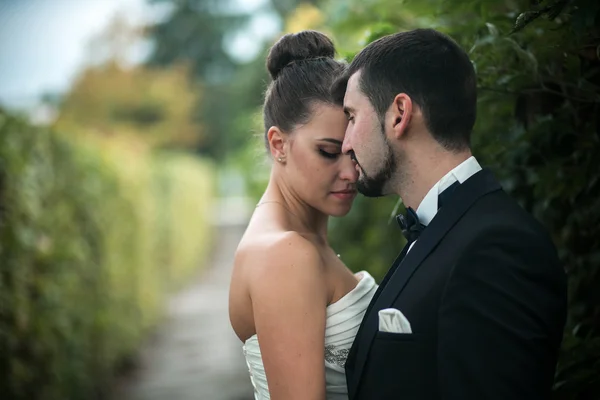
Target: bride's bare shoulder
(273,247)
(278,255)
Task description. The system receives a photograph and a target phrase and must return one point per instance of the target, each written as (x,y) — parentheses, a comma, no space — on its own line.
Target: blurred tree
(305,16)
(155,105)
(287,7)
(116,42)
(197,32)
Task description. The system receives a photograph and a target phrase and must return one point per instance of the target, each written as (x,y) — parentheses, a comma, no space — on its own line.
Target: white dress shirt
(429,205)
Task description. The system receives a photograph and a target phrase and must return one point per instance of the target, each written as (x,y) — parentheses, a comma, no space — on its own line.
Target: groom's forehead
(353,86)
(354,92)
(354,80)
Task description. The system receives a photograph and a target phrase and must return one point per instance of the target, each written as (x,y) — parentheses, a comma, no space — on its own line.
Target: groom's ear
(276,140)
(400,114)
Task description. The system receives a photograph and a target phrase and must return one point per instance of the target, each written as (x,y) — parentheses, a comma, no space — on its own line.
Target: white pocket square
(393,321)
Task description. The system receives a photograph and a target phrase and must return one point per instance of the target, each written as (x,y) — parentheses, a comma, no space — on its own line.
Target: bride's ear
(276,140)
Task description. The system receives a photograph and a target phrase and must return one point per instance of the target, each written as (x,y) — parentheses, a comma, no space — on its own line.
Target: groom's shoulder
(499,215)
(499,239)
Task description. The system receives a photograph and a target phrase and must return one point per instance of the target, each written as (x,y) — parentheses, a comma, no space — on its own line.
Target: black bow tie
(410,225)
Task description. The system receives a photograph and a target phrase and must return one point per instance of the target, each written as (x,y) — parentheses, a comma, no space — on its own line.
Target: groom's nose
(346,143)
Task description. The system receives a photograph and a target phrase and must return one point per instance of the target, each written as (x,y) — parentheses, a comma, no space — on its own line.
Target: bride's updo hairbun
(303,69)
(295,47)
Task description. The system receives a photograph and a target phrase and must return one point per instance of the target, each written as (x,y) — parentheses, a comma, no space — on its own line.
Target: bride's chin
(340,211)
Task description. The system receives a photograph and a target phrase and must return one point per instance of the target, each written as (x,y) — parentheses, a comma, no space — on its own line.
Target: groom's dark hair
(429,67)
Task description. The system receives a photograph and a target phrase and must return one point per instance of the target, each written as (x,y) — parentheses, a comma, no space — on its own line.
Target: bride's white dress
(343,320)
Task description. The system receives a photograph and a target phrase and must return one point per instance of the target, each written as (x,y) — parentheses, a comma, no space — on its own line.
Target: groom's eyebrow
(348,110)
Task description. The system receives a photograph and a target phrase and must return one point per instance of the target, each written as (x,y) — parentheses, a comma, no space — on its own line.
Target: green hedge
(92,237)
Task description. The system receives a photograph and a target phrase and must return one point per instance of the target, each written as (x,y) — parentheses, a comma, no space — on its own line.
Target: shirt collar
(429,205)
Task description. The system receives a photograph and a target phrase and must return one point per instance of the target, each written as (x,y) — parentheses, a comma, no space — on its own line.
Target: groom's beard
(373,186)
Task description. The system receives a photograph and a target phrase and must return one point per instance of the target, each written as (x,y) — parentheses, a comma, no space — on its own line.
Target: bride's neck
(301,216)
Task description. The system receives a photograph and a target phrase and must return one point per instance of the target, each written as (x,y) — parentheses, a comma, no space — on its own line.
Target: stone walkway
(195,355)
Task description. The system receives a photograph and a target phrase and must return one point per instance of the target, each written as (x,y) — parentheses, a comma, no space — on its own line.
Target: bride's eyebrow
(330,140)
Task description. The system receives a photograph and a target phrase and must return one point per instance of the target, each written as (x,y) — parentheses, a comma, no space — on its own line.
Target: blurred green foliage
(93,235)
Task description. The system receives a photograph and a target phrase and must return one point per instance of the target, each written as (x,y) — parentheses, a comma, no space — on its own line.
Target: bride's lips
(345,194)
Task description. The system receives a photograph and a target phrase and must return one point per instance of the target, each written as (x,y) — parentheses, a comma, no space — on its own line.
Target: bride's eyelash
(328,155)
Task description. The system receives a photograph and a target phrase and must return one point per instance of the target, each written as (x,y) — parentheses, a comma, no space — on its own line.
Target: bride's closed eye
(328,155)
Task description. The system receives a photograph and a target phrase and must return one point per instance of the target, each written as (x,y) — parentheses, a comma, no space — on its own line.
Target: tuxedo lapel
(464,197)
(386,278)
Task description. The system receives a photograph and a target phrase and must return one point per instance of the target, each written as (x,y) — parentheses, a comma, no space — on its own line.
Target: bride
(292,302)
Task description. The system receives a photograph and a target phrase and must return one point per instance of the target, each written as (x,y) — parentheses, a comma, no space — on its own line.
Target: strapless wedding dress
(342,323)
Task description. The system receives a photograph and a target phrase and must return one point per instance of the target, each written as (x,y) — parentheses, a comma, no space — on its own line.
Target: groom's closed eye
(349,113)
(352,156)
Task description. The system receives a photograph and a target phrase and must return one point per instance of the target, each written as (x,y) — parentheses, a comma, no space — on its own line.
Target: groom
(479,280)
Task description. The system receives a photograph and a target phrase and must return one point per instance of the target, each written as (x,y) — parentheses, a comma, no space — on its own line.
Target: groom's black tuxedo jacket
(485,295)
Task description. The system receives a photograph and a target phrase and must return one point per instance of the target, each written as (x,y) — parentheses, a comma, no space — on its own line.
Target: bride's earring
(280,159)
